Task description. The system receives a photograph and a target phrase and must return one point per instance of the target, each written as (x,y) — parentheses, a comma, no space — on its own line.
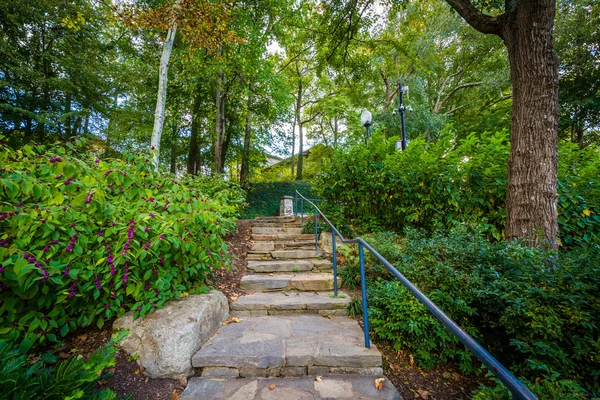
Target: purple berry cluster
(71,243)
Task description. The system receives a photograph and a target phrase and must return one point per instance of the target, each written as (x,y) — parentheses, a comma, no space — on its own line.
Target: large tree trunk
(219,124)
(161,101)
(173,162)
(194,143)
(531,196)
(246,153)
(300,135)
(293,145)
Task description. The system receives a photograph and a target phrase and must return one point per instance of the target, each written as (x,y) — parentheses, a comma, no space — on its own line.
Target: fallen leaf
(379,383)
(271,387)
(271,274)
(318,378)
(137,371)
(232,319)
(412,359)
(64,355)
(234,298)
(326,316)
(147,379)
(183,381)
(423,393)
(175,396)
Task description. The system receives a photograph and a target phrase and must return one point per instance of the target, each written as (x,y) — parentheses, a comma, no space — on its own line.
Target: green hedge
(263,197)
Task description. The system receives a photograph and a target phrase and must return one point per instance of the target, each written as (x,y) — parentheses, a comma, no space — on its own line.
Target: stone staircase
(293,339)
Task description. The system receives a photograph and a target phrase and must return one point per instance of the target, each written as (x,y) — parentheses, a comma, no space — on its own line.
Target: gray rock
(166,340)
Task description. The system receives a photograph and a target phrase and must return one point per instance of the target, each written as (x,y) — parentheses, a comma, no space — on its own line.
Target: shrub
(434,185)
(83,239)
(537,311)
(46,378)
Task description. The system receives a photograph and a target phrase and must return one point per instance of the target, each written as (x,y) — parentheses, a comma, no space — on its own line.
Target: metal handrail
(516,387)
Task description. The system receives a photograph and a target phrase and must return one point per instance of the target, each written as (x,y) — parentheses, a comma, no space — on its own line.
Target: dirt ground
(442,383)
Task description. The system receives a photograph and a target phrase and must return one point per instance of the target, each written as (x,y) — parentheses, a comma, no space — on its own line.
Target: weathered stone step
(329,387)
(304,282)
(278,303)
(276,231)
(287,266)
(283,237)
(284,254)
(278,219)
(276,224)
(283,245)
(288,345)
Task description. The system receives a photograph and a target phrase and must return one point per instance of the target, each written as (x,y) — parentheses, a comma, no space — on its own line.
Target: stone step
(276,224)
(283,245)
(287,345)
(291,218)
(288,266)
(284,254)
(305,282)
(276,231)
(283,237)
(341,387)
(278,303)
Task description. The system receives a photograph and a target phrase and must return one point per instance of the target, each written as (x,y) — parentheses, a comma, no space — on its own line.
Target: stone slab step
(284,254)
(277,219)
(292,302)
(283,237)
(283,245)
(264,346)
(330,387)
(276,231)
(276,224)
(303,282)
(279,266)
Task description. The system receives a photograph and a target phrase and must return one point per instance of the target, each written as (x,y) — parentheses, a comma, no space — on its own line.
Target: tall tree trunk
(531,196)
(580,131)
(245,170)
(161,100)
(86,126)
(532,167)
(173,166)
(300,135)
(68,130)
(293,144)
(194,143)
(219,124)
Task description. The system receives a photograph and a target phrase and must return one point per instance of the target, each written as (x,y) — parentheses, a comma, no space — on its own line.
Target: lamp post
(366,118)
(401,110)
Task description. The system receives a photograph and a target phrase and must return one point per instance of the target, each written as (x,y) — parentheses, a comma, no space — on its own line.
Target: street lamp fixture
(366,118)
(401,109)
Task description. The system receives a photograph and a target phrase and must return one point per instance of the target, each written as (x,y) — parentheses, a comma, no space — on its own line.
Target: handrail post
(302,211)
(334,251)
(316,230)
(363,287)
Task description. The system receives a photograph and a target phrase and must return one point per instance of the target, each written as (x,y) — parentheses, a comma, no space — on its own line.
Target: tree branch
(478,20)
(439,106)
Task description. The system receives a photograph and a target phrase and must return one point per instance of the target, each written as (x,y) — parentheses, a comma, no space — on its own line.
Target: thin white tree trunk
(159,114)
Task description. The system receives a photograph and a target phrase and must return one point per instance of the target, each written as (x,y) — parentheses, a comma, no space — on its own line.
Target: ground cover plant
(84,239)
(535,310)
(264,197)
(48,378)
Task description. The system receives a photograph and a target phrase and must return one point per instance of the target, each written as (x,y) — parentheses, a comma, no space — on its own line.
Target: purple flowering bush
(83,240)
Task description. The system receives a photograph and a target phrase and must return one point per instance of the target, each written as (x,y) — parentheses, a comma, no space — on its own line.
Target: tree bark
(531,196)
(159,113)
(173,162)
(194,144)
(245,171)
(300,135)
(219,124)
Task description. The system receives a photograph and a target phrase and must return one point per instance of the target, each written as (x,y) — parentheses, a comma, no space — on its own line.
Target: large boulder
(165,341)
